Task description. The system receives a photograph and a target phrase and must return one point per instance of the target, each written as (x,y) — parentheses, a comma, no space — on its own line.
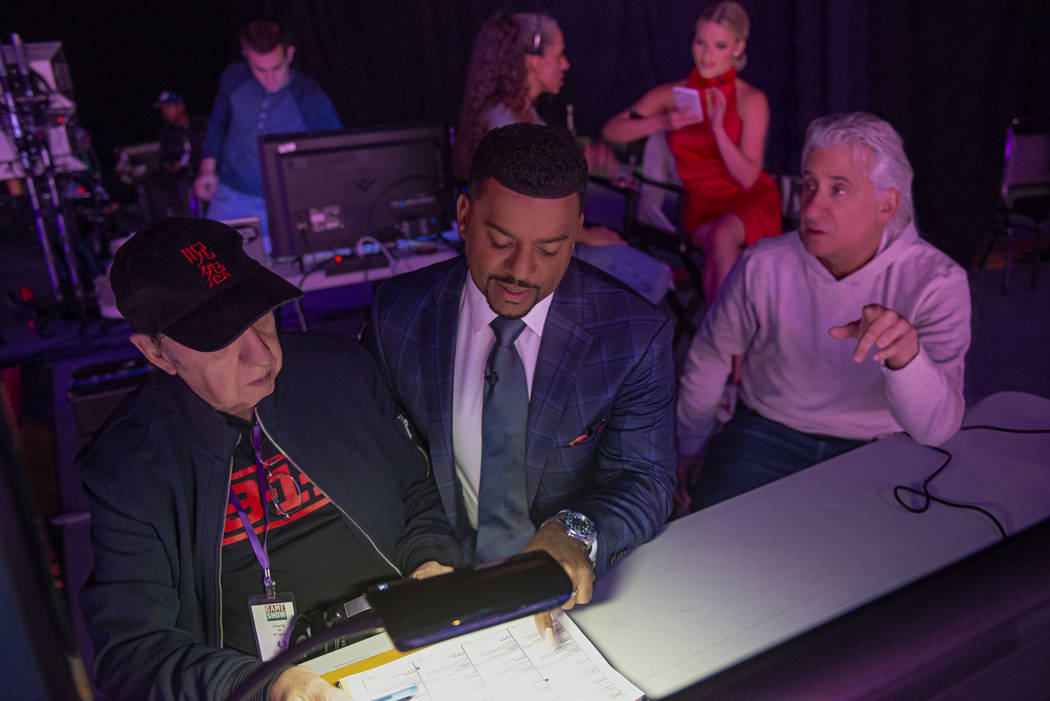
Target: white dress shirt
(474,341)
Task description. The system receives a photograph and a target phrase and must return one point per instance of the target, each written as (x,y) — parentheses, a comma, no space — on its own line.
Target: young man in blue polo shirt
(257,96)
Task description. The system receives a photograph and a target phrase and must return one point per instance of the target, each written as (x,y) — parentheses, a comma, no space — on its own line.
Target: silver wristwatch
(580,527)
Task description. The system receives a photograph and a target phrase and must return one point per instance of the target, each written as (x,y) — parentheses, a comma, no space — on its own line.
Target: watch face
(579,523)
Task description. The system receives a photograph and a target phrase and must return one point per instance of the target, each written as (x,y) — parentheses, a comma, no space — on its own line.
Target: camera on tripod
(37,114)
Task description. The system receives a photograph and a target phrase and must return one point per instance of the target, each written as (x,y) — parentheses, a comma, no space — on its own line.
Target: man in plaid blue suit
(599,457)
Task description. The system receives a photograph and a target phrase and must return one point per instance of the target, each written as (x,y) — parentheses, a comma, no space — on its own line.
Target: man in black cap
(257,476)
(181,137)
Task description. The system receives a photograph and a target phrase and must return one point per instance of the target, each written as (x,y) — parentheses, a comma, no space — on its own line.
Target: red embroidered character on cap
(214,273)
(197,254)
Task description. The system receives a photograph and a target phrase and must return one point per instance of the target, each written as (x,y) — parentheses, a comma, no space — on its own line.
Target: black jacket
(157,476)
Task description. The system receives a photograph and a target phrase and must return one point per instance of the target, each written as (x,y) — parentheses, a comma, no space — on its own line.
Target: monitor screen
(326,190)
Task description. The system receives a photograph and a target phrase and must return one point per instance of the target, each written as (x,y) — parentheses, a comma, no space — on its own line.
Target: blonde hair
(733,17)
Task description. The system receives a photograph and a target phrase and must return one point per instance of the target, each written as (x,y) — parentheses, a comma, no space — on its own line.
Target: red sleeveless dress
(710,191)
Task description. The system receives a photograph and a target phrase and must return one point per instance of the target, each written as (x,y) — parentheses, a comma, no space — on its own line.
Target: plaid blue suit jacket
(605,370)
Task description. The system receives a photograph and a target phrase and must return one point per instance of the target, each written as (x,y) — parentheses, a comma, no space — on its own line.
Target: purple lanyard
(258,548)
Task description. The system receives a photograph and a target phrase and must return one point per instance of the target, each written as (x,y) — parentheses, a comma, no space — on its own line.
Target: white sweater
(776,307)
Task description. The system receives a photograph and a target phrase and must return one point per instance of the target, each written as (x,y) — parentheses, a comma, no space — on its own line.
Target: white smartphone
(687,98)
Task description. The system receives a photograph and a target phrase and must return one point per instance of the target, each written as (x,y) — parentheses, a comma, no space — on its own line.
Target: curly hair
(497,74)
(534,160)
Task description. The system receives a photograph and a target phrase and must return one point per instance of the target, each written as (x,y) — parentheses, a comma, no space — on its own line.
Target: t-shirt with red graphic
(313,553)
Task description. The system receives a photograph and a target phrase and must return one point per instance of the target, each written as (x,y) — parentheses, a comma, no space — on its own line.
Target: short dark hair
(531,159)
(263,36)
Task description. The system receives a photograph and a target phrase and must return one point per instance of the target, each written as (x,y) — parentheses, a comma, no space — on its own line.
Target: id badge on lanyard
(273,613)
(272,620)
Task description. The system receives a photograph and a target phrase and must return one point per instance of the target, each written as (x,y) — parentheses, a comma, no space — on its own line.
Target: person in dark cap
(181,137)
(253,478)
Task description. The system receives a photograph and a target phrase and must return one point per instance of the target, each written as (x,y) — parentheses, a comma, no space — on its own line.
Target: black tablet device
(421,612)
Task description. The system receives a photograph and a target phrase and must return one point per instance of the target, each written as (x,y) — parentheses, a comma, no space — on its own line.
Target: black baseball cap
(168,97)
(191,280)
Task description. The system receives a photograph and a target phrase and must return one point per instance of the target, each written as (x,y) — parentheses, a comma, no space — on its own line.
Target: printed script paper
(510,661)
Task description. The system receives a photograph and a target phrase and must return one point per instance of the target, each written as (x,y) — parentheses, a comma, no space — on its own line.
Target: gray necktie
(503,519)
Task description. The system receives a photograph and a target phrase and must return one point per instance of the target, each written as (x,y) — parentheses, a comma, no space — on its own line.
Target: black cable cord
(310,271)
(928,498)
(924,494)
(1004,429)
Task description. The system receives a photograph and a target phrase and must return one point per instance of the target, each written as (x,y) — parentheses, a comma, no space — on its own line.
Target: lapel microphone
(492,378)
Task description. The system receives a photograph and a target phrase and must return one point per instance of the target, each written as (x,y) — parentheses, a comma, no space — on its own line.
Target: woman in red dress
(729,201)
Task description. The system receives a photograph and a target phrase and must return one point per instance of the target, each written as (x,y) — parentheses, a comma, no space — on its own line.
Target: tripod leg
(42,235)
(65,239)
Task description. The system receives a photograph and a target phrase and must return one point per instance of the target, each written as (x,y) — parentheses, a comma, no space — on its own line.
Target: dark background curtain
(948,74)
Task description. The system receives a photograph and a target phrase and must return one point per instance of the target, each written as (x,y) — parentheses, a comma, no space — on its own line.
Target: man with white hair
(851,328)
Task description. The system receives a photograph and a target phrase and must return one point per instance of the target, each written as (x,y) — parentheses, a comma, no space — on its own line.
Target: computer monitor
(324,191)
(250,230)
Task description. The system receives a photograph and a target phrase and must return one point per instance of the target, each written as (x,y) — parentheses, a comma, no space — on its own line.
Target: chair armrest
(1014,194)
(631,184)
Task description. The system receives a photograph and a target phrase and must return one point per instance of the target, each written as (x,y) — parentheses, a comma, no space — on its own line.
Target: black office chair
(1024,205)
(790,186)
(650,214)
